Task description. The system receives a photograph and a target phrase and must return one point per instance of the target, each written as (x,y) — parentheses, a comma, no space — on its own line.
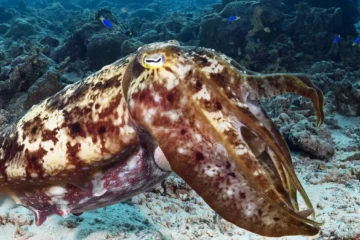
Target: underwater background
(47,44)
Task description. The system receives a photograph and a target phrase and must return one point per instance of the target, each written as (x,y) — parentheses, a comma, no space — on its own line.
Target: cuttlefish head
(202,109)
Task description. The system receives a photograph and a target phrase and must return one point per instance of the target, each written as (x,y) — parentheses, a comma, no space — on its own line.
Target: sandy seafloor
(182,214)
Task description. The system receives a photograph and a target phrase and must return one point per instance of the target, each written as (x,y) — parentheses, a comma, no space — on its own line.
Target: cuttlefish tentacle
(256,108)
(245,116)
(261,88)
(255,86)
(271,85)
(209,135)
(266,86)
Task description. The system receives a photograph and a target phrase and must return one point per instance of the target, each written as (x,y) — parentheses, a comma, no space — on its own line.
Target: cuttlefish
(164,108)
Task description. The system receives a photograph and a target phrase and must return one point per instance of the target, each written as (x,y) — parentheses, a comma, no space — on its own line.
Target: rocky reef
(46,45)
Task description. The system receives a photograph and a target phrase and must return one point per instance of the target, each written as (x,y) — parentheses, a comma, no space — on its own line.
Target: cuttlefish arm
(196,112)
(271,85)
(260,86)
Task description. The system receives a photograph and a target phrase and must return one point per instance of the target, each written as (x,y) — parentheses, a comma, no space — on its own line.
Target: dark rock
(22,6)
(50,41)
(322,67)
(5,73)
(74,47)
(4,15)
(4,28)
(21,28)
(130,46)
(210,32)
(149,36)
(46,86)
(25,71)
(16,104)
(88,35)
(343,26)
(145,13)
(188,33)
(310,139)
(104,49)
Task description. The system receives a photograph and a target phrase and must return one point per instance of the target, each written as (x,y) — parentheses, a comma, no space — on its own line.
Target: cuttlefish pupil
(122,130)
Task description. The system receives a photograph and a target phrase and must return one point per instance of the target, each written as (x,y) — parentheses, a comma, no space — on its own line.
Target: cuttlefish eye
(152,61)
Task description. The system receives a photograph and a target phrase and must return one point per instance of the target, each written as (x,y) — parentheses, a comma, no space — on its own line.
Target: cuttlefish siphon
(164,108)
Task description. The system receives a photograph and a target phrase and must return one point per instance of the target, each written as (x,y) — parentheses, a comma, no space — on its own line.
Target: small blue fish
(233,18)
(106,22)
(337,39)
(356,41)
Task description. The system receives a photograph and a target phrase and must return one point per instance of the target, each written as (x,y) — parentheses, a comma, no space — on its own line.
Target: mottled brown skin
(212,129)
(101,140)
(77,107)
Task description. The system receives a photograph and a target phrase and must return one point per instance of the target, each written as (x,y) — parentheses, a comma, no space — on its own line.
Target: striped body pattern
(166,107)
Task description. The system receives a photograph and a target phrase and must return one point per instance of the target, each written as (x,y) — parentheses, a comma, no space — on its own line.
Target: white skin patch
(241,105)
(14,171)
(148,115)
(241,151)
(203,94)
(182,150)
(212,171)
(216,115)
(71,167)
(198,137)
(132,164)
(84,200)
(55,120)
(230,192)
(56,159)
(127,133)
(65,212)
(256,173)
(89,152)
(182,71)
(172,115)
(161,160)
(98,185)
(34,175)
(56,190)
(224,126)
(215,66)
(168,78)
(157,97)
